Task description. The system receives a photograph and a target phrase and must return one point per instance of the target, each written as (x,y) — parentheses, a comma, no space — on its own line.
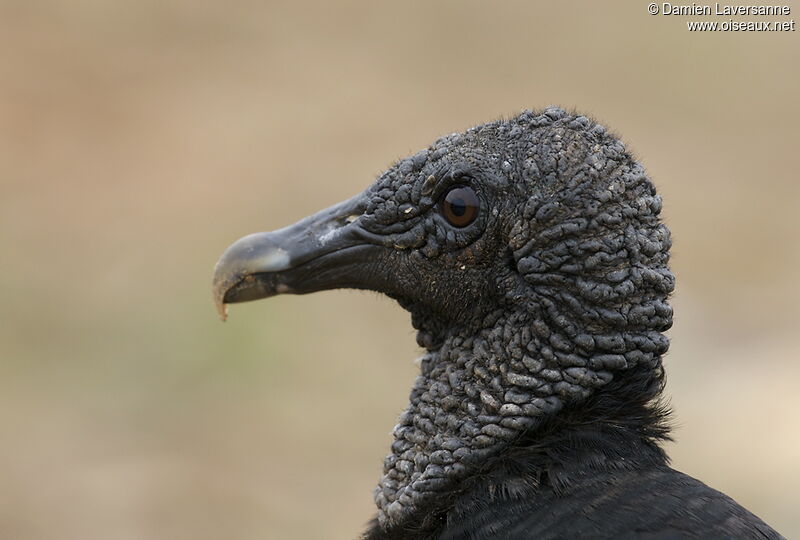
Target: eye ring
(460,206)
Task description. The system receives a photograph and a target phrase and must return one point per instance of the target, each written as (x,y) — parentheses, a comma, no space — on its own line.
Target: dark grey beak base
(311,255)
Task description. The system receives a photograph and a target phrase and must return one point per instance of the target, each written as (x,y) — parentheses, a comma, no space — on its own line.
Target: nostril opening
(346,220)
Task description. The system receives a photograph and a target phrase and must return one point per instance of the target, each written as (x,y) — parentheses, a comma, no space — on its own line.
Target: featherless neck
(481,391)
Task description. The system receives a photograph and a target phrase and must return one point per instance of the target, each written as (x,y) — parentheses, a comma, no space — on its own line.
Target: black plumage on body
(593,471)
(532,257)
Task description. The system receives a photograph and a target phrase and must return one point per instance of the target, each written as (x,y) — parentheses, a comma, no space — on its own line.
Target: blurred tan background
(139,138)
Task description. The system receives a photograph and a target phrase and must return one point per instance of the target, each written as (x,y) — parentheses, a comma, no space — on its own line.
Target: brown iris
(460,206)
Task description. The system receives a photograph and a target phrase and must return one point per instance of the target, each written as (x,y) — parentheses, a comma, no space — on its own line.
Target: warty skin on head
(532,258)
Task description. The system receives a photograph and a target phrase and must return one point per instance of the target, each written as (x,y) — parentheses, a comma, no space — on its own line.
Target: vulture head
(532,259)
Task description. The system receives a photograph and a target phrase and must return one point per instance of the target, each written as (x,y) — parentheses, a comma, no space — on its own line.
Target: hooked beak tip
(222,310)
(219,290)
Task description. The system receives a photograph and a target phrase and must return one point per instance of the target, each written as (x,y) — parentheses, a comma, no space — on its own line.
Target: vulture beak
(325,251)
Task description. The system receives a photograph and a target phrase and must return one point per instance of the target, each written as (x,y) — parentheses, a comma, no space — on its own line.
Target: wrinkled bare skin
(560,284)
(563,284)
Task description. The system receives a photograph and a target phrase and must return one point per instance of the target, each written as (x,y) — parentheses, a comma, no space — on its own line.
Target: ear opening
(510,261)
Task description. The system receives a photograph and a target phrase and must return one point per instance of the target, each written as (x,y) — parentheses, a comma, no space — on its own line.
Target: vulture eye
(460,206)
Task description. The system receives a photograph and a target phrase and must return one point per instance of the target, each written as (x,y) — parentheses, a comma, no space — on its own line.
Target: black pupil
(460,206)
(457,205)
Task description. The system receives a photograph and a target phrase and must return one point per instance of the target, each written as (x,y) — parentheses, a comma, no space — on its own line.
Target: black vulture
(532,258)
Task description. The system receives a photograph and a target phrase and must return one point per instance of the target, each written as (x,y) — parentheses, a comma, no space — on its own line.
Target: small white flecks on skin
(325,238)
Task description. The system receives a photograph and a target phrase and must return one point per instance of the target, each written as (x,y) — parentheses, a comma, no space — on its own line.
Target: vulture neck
(501,392)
